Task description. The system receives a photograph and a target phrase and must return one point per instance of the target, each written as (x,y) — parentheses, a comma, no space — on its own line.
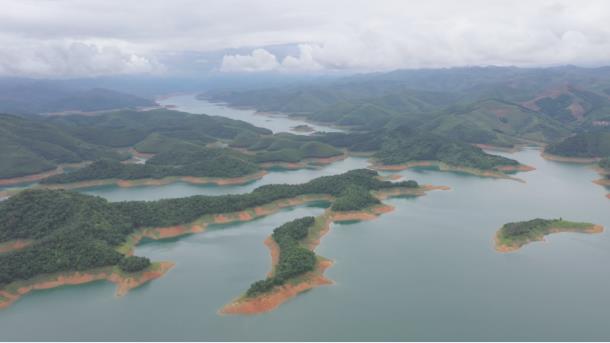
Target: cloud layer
(83,38)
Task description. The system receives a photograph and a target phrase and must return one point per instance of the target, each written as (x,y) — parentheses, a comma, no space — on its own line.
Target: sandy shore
(504,248)
(124,281)
(271,300)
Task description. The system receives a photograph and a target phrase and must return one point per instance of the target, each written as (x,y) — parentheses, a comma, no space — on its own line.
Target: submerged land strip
(513,236)
(72,238)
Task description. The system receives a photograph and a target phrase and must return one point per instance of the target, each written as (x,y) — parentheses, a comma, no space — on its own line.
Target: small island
(512,236)
(302,128)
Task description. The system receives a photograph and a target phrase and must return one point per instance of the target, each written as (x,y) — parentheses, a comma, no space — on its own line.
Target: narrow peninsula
(57,237)
(295,268)
(512,236)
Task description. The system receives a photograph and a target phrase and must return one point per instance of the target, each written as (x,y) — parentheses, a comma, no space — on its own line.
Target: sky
(68,38)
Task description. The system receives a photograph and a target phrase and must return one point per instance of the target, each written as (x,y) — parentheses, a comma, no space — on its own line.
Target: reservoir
(426,271)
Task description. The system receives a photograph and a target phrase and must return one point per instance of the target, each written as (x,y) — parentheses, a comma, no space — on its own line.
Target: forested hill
(31,145)
(586,145)
(27,96)
(73,231)
(488,105)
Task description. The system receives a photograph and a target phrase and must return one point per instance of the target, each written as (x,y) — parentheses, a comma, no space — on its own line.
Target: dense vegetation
(498,106)
(519,233)
(424,147)
(73,231)
(487,105)
(354,198)
(206,163)
(33,145)
(294,259)
(397,145)
(589,144)
(132,264)
(285,147)
(170,212)
(29,146)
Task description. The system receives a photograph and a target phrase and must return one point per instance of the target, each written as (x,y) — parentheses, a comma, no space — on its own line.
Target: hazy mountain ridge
(26,96)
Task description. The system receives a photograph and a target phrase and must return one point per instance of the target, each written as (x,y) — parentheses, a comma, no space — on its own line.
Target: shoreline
(124,281)
(158,182)
(505,248)
(291,288)
(605,180)
(578,160)
(42,175)
(201,224)
(497,173)
(307,163)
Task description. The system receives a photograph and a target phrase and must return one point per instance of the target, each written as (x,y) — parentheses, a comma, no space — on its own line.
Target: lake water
(427,271)
(273,122)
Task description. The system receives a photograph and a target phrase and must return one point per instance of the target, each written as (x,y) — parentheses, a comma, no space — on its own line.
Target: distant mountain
(24,96)
(490,105)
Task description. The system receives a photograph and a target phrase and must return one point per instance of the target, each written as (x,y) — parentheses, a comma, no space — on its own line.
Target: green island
(512,236)
(69,232)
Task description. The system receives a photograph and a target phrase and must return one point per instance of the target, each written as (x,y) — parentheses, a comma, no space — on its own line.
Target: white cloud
(342,34)
(304,62)
(259,60)
(71,59)
(263,60)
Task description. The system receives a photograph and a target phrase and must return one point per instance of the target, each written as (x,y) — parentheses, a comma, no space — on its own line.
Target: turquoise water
(426,271)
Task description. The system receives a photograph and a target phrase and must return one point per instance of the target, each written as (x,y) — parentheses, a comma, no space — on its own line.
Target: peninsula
(68,232)
(295,268)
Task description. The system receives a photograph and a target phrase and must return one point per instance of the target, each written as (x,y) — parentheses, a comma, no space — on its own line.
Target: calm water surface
(426,271)
(275,123)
